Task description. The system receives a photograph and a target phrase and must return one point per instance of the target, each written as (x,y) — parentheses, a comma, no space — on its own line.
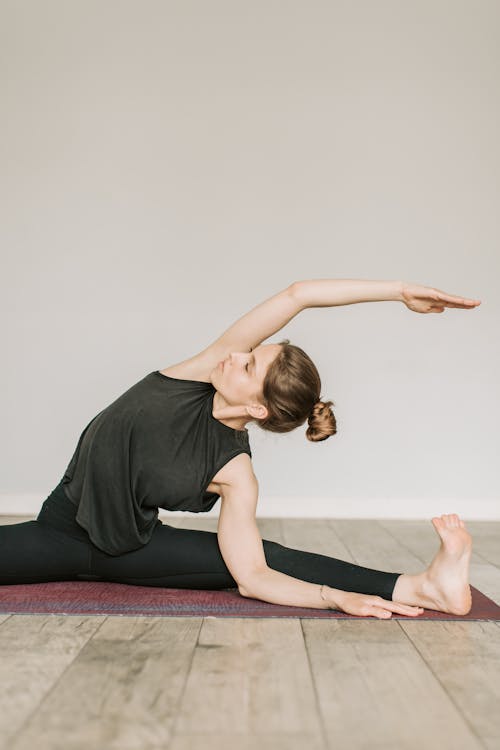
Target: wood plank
(314,535)
(35,650)
(421,538)
(486,578)
(122,691)
(465,657)
(372,546)
(261,741)
(374,689)
(250,677)
(271,529)
(486,538)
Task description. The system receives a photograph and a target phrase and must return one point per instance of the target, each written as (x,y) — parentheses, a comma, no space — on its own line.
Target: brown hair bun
(321,421)
(290,392)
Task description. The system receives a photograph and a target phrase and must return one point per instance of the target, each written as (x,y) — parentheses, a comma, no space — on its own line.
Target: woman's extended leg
(189,558)
(54,547)
(31,552)
(34,551)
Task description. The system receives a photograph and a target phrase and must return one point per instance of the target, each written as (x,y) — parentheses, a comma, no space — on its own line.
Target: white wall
(168,165)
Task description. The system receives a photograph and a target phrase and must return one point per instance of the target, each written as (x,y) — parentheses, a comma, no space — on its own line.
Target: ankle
(413,589)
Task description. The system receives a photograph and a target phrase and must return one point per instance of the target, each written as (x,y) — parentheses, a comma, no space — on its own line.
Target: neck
(235,417)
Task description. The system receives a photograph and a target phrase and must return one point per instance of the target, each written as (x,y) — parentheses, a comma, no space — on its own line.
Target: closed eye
(246,366)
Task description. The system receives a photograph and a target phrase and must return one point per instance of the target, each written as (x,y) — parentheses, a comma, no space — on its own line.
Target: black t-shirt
(157,445)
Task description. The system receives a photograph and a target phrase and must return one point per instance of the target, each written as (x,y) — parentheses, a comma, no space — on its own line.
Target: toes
(448,521)
(437,523)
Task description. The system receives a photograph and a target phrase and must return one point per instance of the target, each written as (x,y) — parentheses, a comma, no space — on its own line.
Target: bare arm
(243,552)
(271,315)
(241,547)
(334,292)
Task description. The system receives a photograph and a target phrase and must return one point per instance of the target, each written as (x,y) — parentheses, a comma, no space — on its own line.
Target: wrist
(399,286)
(333,597)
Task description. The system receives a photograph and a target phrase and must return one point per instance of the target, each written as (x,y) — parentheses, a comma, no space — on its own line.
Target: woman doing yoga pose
(177,440)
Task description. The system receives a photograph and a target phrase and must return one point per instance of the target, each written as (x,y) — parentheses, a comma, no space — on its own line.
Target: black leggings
(56,548)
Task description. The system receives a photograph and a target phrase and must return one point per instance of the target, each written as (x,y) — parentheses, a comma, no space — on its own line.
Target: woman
(177,440)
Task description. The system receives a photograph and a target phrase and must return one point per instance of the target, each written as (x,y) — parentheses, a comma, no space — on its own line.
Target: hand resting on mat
(367,605)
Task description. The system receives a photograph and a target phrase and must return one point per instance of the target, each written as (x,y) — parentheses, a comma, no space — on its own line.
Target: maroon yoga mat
(105,598)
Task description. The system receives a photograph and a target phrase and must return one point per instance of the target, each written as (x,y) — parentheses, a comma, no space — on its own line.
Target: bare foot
(446,581)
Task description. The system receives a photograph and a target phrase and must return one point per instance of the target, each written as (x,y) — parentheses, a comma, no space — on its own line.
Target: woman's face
(241,378)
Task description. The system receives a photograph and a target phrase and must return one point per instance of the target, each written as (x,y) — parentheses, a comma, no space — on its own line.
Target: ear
(257,411)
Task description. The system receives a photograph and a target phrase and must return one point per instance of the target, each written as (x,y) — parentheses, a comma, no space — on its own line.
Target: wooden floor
(187,683)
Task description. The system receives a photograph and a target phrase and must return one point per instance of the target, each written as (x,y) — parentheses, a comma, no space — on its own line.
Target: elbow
(246,589)
(243,591)
(296,291)
(252,584)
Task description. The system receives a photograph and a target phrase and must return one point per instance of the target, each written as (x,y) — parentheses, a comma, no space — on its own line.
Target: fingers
(384,608)
(439,297)
(451,301)
(381,613)
(404,609)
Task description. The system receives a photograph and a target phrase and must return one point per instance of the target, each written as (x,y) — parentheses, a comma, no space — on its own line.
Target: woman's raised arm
(250,330)
(271,315)
(333,292)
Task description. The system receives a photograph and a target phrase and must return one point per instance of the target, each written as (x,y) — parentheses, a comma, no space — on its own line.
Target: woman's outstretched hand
(367,605)
(426,299)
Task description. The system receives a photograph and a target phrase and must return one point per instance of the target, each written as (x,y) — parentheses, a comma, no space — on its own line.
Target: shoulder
(199,367)
(183,371)
(237,472)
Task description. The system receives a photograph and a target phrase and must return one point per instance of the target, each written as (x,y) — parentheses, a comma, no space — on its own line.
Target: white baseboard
(473,509)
